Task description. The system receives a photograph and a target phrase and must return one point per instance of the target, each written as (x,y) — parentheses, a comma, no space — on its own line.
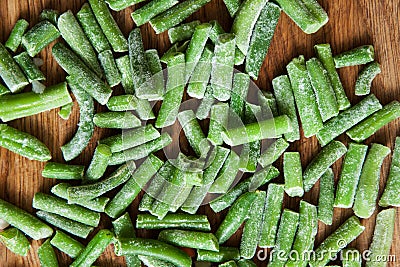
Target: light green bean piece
(218,122)
(391,195)
(63,171)
(351,258)
(110,68)
(119,5)
(65,111)
(98,165)
(27,65)
(224,254)
(227,175)
(357,56)
(206,103)
(368,186)
(10,72)
(326,197)
(365,78)
(124,67)
(273,152)
(50,15)
(39,36)
(14,40)
(67,244)
(15,241)
(116,120)
(156,90)
(182,32)
(150,10)
(293,174)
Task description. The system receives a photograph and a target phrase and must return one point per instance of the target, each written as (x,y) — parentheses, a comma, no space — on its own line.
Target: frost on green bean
(15,241)
(224,254)
(292,171)
(67,244)
(99,162)
(119,5)
(326,197)
(227,174)
(391,194)
(14,40)
(365,78)
(190,239)
(27,65)
(110,69)
(10,72)
(116,120)
(176,220)
(273,152)
(150,10)
(182,32)
(357,56)
(50,15)
(39,36)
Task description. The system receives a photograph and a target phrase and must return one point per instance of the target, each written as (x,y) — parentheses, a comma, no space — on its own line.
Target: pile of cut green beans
(98,59)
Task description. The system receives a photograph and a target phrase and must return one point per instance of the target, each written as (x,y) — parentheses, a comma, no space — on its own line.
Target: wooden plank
(352,23)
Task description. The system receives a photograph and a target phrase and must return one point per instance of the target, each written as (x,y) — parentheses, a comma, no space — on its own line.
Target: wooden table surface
(352,23)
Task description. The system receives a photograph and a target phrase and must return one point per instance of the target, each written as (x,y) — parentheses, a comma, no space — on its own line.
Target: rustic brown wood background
(352,23)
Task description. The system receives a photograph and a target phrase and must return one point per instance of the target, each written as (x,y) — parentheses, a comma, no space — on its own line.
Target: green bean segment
(368,186)
(14,40)
(224,254)
(10,72)
(47,255)
(15,241)
(98,165)
(119,5)
(365,78)
(273,152)
(357,56)
(326,197)
(391,196)
(63,171)
(67,244)
(183,221)
(150,10)
(292,171)
(39,36)
(190,239)
(27,65)
(182,32)
(110,68)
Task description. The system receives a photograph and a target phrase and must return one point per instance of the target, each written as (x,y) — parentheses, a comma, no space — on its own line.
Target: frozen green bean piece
(123,228)
(154,248)
(73,34)
(86,78)
(97,204)
(116,120)
(285,237)
(253,227)
(23,144)
(273,152)
(91,191)
(368,186)
(224,254)
(272,213)
(365,78)
(305,236)
(201,74)
(350,175)
(324,54)
(326,197)
(222,66)
(391,194)
(224,201)
(150,10)
(60,207)
(176,15)
(175,48)
(124,67)
(50,15)
(85,130)
(47,255)
(14,40)
(15,241)
(268,104)
(94,249)
(320,164)
(190,239)
(232,6)
(141,151)
(98,165)
(307,14)
(183,221)
(270,128)
(156,90)
(373,123)
(218,122)
(348,118)
(154,262)
(230,263)
(122,103)
(10,72)
(241,83)
(174,91)
(68,225)
(261,38)
(92,29)
(65,111)
(323,89)
(196,47)
(292,171)
(39,36)
(15,106)
(134,185)
(192,129)
(63,171)
(357,56)
(206,103)
(27,65)
(304,96)
(245,21)
(119,5)
(24,221)
(286,104)
(238,213)
(131,138)
(110,69)
(109,26)
(182,32)
(351,258)
(338,240)
(382,238)
(251,151)
(227,175)
(139,66)
(67,244)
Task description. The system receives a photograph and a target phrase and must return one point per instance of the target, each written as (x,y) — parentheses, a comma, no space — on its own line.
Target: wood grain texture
(352,23)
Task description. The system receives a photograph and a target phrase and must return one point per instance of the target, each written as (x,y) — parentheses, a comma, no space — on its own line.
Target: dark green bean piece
(224,254)
(326,197)
(15,241)
(182,32)
(156,90)
(110,69)
(357,56)
(91,191)
(14,40)
(124,67)
(154,248)
(47,255)
(150,10)
(10,72)
(99,163)
(63,171)
(189,239)
(183,221)
(39,36)
(154,262)
(85,130)
(109,26)
(68,225)
(246,263)
(365,78)
(23,144)
(206,103)
(60,207)
(94,249)
(27,65)
(67,244)
(92,29)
